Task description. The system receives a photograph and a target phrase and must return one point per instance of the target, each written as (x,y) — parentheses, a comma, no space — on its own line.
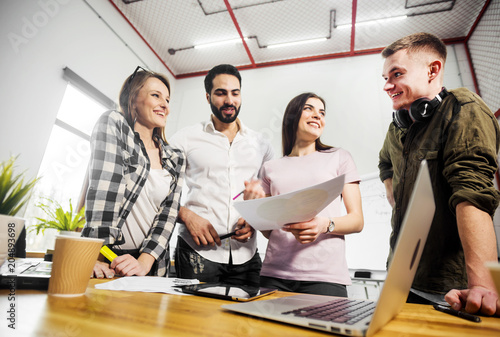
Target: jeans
(191,265)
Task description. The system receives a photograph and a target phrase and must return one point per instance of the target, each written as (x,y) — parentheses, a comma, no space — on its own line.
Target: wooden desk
(118,313)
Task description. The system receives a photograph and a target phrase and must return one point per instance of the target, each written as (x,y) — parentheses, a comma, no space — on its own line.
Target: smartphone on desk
(240,293)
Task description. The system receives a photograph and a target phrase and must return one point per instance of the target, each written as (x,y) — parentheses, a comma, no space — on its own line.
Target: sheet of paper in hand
(302,205)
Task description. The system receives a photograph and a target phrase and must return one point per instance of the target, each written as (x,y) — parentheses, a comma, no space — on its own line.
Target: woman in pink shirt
(309,257)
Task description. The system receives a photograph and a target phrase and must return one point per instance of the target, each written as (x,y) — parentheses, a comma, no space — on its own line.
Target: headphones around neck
(420,110)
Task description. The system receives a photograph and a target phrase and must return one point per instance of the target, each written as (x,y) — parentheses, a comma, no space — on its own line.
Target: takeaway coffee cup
(72,264)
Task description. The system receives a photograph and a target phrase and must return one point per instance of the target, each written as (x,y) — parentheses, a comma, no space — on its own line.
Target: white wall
(358,112)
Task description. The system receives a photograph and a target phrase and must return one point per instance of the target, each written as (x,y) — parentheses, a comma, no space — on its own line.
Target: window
(64,166)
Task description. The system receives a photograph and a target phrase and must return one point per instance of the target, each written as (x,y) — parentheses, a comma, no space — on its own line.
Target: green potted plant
(66,222)
(14,193)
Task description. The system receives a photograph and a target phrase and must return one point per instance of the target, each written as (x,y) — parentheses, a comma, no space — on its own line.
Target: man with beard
(223,156)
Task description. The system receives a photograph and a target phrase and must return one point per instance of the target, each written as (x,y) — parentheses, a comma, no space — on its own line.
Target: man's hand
(201,230)
(307,232)
(477,299)
(477,235)
(244,231)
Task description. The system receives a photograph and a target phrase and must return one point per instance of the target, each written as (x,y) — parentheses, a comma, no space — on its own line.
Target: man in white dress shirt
(222,154)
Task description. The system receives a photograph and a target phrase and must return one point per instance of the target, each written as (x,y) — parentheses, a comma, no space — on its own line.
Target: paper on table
(150,284)
(302,205)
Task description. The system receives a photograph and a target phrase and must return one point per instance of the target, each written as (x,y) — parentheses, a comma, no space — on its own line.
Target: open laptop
(25,273)
(367,317)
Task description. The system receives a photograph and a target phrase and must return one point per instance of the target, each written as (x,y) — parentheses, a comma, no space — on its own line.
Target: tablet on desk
(240,293)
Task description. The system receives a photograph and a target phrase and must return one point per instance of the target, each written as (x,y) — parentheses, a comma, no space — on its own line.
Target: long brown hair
(129,91)
(290,124)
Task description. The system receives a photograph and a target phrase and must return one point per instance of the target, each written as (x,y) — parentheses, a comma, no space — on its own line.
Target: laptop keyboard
(341,310)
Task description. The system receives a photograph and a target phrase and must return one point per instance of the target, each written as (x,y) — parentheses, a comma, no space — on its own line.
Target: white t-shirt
(324,259)
(139,221)
(215,173)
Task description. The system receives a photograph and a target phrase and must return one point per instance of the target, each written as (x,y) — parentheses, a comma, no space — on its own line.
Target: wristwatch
(331,226)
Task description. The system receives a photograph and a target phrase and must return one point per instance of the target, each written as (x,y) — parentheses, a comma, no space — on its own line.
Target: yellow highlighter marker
(108,253)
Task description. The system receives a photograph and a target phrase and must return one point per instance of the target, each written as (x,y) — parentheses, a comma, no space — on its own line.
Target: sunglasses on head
(135,72)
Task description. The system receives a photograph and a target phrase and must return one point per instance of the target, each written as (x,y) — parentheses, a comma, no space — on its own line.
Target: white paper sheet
(149,284)
(302,205)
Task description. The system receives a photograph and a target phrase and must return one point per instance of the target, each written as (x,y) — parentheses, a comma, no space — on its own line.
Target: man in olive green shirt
(459,137)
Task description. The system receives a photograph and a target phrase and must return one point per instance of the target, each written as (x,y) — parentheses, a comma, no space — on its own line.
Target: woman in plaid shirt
(135,180)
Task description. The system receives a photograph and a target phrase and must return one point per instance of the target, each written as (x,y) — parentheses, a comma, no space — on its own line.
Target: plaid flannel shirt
(118,170)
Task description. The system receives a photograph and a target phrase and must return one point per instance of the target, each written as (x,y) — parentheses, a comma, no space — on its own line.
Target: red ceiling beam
(353,25)
(312,58)
(478,19)
(231,13)
(466,45)
(294,61)
(455,40)
(143,39)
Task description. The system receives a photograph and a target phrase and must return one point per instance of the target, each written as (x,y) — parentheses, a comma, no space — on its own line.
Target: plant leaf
(14,192)
(58,218)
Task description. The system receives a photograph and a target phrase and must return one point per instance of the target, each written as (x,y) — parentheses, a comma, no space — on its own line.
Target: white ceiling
(178,25)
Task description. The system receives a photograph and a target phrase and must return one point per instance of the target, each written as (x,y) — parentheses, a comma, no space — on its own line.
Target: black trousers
(191,265)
